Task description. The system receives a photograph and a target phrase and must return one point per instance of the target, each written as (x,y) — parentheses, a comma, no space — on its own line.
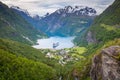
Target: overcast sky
(41,7)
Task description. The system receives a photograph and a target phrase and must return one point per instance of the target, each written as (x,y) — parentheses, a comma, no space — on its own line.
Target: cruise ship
(55,45)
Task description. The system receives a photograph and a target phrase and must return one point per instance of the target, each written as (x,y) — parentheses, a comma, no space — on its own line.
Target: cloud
(41,7)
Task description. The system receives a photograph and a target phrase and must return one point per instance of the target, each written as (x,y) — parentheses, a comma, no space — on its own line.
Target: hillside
(105,27)
(34,21)
(78,69)
(14,27)
(20,49)
(20,61)
(13,67)
(102,40)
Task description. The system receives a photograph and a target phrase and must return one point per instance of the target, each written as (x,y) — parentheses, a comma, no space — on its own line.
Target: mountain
(15,27)
(68,21)
(33,20)
(105,27)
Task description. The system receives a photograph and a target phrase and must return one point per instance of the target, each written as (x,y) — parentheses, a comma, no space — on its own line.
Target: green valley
(95,55)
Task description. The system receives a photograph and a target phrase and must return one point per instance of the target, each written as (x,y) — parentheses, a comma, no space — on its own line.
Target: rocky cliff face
(106,65)
(90,38)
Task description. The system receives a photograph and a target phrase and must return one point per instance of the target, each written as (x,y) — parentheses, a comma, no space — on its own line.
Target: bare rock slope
(106,65)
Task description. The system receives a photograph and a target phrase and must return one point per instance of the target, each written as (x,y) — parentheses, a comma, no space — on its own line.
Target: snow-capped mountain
(68,21)
(77,10)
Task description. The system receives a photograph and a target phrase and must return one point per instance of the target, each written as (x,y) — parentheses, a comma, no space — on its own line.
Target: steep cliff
(106,65)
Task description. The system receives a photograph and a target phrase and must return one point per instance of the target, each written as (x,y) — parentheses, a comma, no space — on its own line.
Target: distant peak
(78,10)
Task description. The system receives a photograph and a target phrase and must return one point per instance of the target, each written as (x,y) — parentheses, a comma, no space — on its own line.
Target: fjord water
(64,42)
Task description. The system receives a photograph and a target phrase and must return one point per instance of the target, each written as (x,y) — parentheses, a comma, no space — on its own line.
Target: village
(66,55)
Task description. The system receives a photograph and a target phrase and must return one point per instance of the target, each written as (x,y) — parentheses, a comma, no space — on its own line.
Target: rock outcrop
(106,65)
(90,38)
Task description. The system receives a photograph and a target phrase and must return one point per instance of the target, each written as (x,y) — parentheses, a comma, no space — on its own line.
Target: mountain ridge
(62,22)
(15,27)
(77,10)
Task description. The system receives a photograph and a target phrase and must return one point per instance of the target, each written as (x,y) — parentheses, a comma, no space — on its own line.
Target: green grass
(79,50)
(108,27)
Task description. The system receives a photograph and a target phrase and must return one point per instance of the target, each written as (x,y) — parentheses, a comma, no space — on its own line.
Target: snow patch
(78,10)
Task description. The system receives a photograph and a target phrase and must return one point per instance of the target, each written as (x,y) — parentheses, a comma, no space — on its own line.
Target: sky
(41,7)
